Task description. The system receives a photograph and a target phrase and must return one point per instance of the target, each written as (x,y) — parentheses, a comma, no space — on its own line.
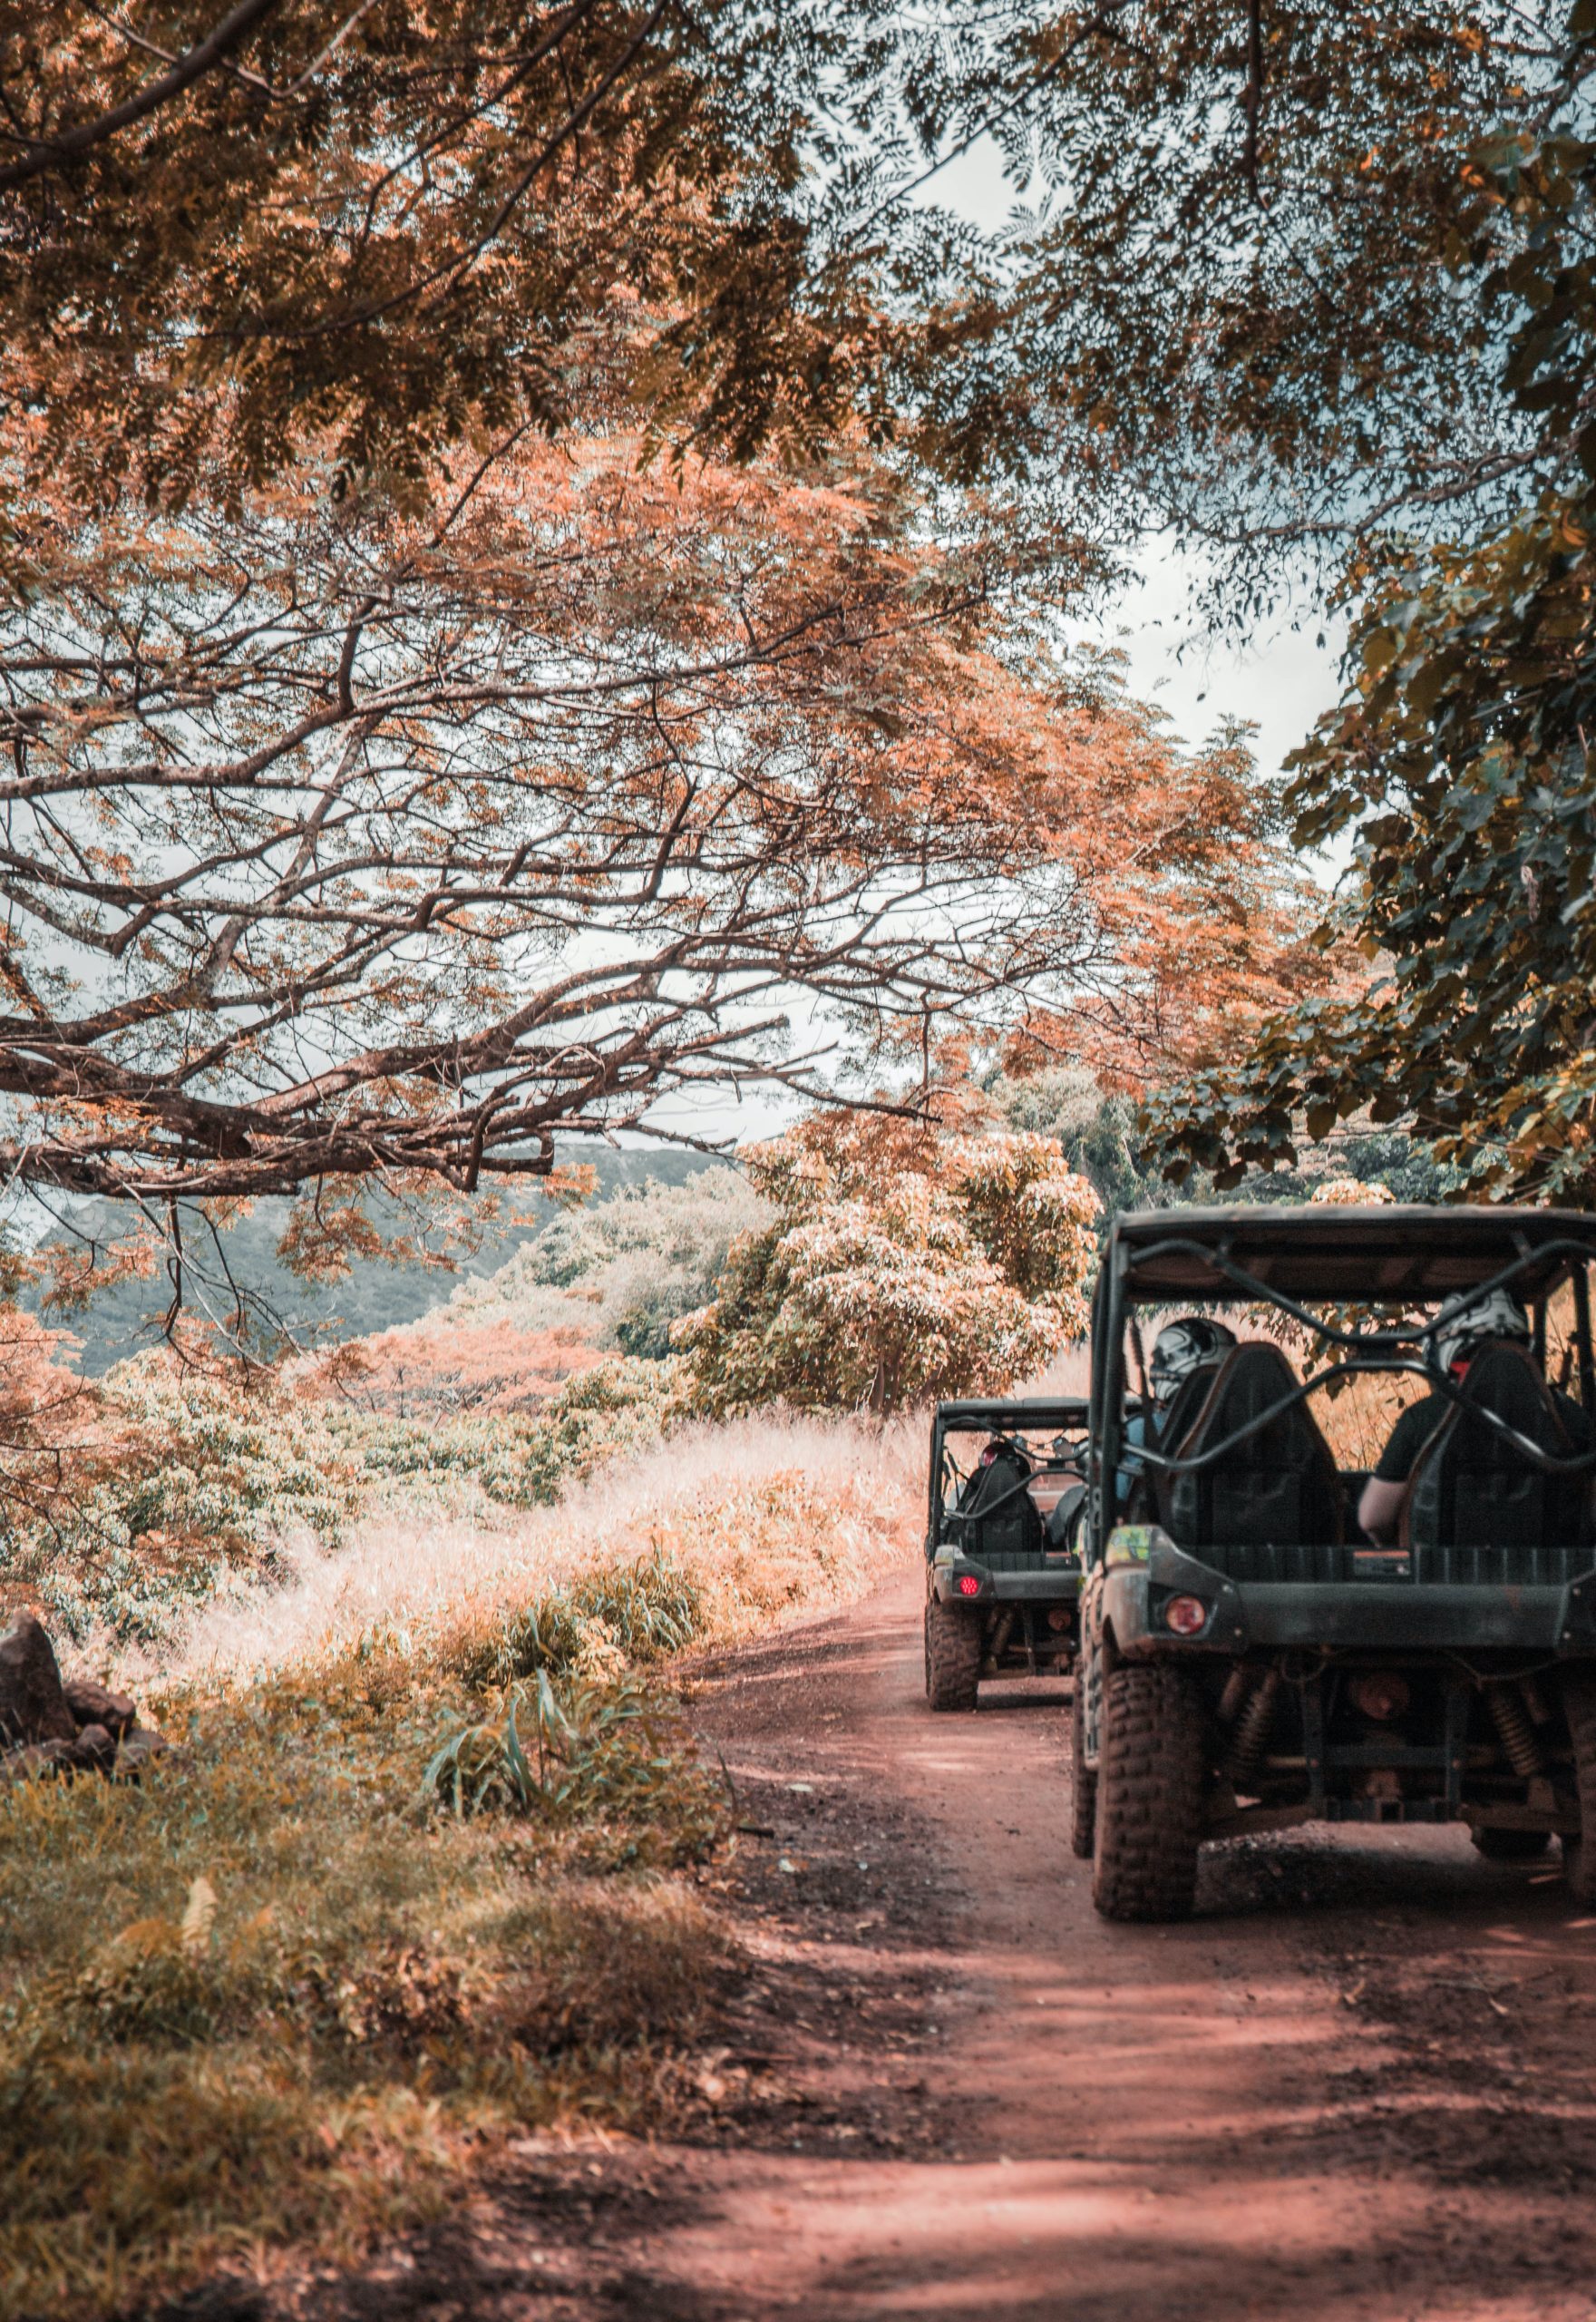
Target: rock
(92,1705)
(33,1705)
(37,1758)
(94,1749)
(136,1750)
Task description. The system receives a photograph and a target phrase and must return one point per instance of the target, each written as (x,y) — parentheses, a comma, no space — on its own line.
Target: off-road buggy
(1251,1660)
(1003,1571)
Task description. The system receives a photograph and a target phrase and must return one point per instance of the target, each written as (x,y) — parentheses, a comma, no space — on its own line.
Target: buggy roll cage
(1382,1348)
(971,1417)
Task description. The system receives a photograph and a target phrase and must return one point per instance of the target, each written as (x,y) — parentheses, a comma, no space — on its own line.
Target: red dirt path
(1361,2085)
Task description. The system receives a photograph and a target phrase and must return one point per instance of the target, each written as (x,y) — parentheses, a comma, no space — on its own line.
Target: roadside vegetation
(277,1996)
(432,1862)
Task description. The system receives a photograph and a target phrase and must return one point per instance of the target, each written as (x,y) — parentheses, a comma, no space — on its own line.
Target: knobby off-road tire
(1511,1845)
(953,1656)
(1150,1773)
(1083,1780)
(1579,1855)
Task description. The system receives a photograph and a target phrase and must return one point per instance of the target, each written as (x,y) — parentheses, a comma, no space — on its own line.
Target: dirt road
(1359,2084)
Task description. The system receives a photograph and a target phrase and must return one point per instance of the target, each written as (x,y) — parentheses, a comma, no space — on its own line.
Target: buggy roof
(1032,1411)
(1322,1250)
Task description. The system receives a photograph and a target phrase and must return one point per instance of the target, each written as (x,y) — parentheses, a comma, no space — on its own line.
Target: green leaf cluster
(1458,768)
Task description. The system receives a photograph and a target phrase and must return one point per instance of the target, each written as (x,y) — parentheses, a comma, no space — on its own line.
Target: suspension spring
(1511,1720)
(1245,1754)
(998,1644)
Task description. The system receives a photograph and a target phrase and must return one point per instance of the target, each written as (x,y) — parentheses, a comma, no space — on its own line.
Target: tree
(901,1263)
(236,236)
(1460,767)
(1314,286)
(1242,302)
(340,843)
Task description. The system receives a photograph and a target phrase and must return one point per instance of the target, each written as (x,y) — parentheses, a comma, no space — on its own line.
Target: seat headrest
(1471,1487)
(1278,1485)
(1253,1376)
(1504,1377)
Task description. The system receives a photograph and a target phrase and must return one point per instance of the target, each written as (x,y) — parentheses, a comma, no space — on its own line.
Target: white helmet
(1458,1328)
(1182,1348)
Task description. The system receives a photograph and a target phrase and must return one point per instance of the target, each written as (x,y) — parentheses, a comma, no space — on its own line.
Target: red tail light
(1185,1615)
(968,1586)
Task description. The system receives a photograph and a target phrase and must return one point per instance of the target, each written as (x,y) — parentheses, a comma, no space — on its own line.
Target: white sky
(1282,680)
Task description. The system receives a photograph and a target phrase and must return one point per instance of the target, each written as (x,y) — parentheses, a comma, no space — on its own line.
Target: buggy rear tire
(1511,1845)
(1579,1855)
(1083,1818)
(1151,1766)
(953,1656)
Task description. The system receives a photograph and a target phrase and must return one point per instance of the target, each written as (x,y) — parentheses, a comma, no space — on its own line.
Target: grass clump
(723,1565)
(269,2001)
(601,1754)
(611,1618)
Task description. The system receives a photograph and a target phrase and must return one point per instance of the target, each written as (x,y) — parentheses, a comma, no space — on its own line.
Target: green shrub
(523,1459)
(211,1481)
(207,1478)
(618,1615)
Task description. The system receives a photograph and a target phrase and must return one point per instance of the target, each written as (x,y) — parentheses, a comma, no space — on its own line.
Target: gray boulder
(94,1749)
(136,1750)
(33,1703)
(92,1705)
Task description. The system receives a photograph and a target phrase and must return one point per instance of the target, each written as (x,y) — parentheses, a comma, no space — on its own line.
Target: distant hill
(375,1296)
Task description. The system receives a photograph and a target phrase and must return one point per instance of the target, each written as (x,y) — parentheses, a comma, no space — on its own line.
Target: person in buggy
(1182,1348)
(1008,1465)
(1451,1347)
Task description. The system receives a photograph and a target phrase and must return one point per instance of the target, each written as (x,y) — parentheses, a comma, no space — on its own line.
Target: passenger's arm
(1379,1509)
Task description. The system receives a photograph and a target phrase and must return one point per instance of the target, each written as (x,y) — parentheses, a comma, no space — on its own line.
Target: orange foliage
(54,1439)
(1202,915)
(440,1364)
(603,764)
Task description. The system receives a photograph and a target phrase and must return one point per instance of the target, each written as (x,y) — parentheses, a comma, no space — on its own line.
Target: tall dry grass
(771,1515)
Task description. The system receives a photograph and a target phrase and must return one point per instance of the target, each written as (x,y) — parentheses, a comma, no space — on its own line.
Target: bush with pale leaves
(901,1264)
(1351,1192)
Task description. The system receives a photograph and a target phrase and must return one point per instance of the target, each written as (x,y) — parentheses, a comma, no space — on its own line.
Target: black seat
(1472,1488)
(999,1518)
(1142,1503)
(1064,1519)
(1277,1487)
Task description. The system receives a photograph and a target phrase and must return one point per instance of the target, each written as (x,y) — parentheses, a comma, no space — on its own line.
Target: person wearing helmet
(1192,1343)
(1450,1346)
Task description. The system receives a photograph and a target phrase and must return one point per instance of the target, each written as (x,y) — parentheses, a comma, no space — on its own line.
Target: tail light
(968,1586)
(1185,1615)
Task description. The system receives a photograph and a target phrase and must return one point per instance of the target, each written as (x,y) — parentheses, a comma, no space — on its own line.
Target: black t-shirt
(1419,1421)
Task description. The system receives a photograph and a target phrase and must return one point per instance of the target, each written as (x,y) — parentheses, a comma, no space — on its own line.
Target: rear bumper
(1373,1615)
(1059,1586)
